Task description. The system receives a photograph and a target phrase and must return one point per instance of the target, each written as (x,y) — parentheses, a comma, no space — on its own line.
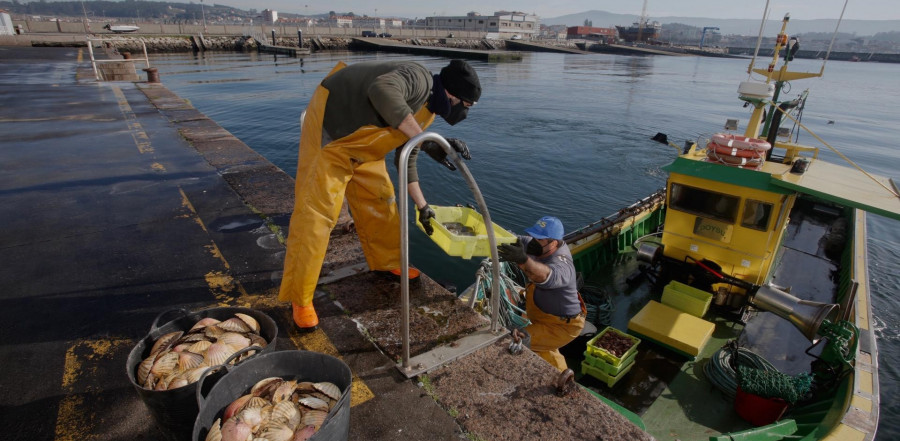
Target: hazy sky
(799,9)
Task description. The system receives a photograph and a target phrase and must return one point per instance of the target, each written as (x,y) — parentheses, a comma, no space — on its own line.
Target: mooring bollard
(126,55)
(152,74)
(299,38)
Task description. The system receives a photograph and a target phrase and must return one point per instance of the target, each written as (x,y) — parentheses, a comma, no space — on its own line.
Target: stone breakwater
(244,43)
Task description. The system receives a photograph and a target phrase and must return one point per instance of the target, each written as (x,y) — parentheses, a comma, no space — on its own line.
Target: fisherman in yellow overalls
(552,302)
(357,115)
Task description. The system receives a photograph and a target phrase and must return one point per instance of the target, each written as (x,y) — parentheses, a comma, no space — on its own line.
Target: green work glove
(426,213)
(438,154)
(513,252)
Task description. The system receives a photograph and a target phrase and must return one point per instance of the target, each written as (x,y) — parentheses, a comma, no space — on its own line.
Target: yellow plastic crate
(686,298)
(464,246)
(598,352)
(608,368)
(597,373)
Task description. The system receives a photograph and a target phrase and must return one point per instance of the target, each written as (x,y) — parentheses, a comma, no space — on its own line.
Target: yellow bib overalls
(352,166)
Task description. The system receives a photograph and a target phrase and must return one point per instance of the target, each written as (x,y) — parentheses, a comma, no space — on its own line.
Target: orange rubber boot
(413,273)
(305,317)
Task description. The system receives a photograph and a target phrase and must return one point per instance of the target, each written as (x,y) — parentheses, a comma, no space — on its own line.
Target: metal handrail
(404,232)
(94,61)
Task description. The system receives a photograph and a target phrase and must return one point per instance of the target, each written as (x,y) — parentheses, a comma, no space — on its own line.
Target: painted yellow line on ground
(74,418)
(141,140)
(318,341)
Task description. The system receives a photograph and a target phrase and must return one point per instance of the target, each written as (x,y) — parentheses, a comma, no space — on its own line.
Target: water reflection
(612,65)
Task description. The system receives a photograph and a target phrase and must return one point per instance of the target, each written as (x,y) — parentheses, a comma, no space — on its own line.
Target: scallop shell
(200,347)
(284,391)
(313,418)
(165,364)
(234,324)
(143,370)
(194,336)
(265,386)
(215,431)
(306,386)
(329,389)
(193,375)
(165,341)
(313,403)
(177,382)
(218,353)
(249,321)
(256,403)
(286,413)
(214,331)
(258,340)
(277,432)
(304,433)
(188,360)
(236,406)
(181,347)
(208,321)
(236,340)
(235,430)
(253,417)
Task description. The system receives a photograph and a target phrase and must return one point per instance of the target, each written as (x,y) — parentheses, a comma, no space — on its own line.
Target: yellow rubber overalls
(550,332)
(352,166)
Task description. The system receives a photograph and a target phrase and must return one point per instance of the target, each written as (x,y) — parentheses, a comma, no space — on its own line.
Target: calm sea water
(568,135)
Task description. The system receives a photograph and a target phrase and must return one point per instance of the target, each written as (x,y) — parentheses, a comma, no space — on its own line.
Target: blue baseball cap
(547,227)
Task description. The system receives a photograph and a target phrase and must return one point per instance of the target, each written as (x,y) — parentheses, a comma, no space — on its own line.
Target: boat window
(756,215)
(705,203)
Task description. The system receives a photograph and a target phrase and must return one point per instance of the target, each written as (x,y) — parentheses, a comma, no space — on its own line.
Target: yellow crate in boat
(610,380)
(601,353)
(607,367)
(686,298)
(455,244)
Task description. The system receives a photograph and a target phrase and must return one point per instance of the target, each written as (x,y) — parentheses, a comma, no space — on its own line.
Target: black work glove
(426,213)
(438,154)
(513,252)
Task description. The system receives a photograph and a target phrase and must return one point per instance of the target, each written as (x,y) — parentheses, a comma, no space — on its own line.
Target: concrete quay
(121,201)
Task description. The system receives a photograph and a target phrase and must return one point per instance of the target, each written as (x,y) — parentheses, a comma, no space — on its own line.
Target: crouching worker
(553,305)
(356,117)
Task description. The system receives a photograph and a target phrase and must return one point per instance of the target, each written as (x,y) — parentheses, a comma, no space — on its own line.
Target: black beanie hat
(461,81)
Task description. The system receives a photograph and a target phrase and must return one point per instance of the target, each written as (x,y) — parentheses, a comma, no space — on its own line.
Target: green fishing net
(774,384)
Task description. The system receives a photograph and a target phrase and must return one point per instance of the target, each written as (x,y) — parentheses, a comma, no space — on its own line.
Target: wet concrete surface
(122,202)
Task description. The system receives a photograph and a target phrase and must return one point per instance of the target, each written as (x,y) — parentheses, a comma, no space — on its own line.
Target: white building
(503,24)
(270,16)
(339,22)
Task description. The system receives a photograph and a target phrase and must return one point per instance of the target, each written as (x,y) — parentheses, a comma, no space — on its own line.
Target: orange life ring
(722,150)
(737,161)
(740,142)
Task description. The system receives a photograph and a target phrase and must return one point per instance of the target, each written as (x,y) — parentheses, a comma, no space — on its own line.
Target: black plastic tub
(295,365)
(174,411)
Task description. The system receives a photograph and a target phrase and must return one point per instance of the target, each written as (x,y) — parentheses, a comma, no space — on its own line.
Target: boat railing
(99,41)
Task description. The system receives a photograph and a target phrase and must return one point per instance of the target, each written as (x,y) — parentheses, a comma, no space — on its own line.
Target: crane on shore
(703,34)
(642,21)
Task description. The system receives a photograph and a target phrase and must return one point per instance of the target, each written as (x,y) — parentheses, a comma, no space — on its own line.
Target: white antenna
(758,40)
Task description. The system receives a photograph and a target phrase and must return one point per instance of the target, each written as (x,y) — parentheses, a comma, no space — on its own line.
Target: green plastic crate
(601,353)
(464,246)
(598,373)
(686,298)
(608,368)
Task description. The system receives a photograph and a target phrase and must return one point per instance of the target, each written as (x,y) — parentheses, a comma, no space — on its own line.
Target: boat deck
(668,391)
